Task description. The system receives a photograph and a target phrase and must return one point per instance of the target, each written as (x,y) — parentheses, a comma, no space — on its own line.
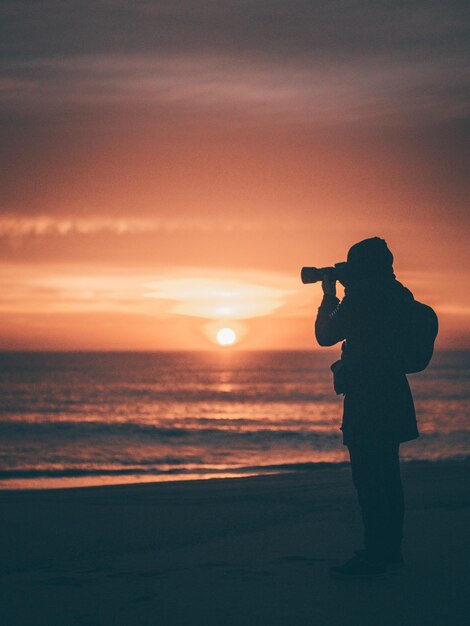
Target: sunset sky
(168,166)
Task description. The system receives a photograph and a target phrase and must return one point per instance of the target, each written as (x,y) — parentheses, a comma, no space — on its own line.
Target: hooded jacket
(378,403)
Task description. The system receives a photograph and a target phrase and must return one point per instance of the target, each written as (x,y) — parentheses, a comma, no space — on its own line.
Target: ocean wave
(89,429)
(31,473)
(16,404)
(77,472)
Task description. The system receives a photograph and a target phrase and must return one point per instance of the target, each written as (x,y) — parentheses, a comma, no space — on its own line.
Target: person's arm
(331,317)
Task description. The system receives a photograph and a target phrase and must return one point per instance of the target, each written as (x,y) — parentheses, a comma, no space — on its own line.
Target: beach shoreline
(252,550)
(104,481)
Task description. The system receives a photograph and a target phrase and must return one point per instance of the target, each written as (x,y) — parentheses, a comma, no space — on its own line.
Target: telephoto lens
(315,274)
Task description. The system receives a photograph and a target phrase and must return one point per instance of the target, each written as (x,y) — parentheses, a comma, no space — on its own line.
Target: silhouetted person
(378,407)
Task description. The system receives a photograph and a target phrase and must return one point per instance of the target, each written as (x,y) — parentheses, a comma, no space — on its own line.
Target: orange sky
(168,171)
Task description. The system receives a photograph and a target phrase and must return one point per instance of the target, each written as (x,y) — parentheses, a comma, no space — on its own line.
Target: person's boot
(362,565)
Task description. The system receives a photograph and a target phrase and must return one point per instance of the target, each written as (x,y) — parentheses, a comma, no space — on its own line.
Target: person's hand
(329,285)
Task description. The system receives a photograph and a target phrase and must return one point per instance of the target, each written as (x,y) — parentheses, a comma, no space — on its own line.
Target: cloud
(194,292)
(342,89)
(20,227)
(66,27)
(315,60)
(219,298)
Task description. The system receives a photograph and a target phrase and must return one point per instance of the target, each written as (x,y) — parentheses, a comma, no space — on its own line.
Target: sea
(79,419)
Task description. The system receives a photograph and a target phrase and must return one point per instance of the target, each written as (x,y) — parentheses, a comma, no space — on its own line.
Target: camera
(315,274)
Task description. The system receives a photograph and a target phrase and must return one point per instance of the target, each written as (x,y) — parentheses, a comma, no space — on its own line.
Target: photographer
(378,407)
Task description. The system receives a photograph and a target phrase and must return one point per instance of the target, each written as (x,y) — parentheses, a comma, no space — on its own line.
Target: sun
(226,337)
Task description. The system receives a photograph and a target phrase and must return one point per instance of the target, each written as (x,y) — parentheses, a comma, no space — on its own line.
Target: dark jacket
(378,401)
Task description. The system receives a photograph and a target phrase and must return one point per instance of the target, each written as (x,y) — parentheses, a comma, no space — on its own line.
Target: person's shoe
(360,566)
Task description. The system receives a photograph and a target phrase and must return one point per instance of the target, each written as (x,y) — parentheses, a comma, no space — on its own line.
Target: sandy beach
(250,551)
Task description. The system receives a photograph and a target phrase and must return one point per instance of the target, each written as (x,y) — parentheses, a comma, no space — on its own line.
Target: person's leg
(367,466)
(367,474)
(394,514)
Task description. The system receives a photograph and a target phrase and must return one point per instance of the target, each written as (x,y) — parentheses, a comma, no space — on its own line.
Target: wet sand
(250,551)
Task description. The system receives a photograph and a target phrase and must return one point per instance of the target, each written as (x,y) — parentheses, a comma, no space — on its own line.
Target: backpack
(418,331)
